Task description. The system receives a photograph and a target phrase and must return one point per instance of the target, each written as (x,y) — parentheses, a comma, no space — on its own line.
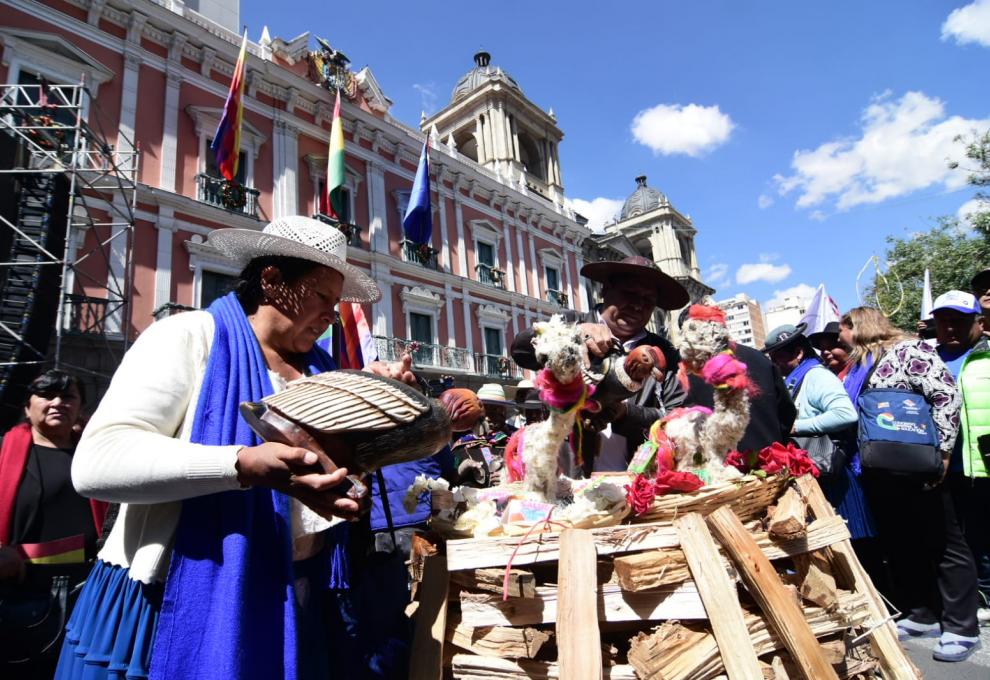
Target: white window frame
(318,171)
(205,258)
(484,340)
(484,231)
(206,120)
(421,301)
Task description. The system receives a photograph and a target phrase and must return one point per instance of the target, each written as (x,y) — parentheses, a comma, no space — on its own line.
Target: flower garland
(232,195)
(772,460)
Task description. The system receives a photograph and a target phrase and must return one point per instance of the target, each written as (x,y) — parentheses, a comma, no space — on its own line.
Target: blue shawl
(854,384)
(796,377)
(228,609)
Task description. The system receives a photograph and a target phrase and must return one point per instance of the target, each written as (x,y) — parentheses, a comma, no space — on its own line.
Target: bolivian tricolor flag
(226,144)
(333,196)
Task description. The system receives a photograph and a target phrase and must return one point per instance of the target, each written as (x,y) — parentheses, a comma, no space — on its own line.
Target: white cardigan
(136,449)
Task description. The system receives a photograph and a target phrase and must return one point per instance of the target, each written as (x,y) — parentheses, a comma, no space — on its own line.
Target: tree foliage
(952,252)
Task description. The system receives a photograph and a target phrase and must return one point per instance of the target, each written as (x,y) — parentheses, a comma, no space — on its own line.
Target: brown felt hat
(670,294)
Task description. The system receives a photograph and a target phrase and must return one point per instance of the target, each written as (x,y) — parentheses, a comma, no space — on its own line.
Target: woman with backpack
(904,395)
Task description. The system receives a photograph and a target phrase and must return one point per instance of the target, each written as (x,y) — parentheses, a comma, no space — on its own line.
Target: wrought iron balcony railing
(496,366)
(86,315)
(227,195)
(558,297)
(490,276)
(424,354)
(351,231)
(419,253)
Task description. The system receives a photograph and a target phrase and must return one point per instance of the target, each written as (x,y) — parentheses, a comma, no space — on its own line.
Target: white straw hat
(493,393)
(302,237)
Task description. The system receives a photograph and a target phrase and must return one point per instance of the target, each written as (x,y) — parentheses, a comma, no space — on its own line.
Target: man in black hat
(981,289)
(631,290)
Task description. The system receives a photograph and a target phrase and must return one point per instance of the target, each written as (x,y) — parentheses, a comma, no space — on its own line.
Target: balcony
(424,354)
(351,231)
(227,195)
(496,366)
(420,253)
(558,298)
(87,315)
(490,276)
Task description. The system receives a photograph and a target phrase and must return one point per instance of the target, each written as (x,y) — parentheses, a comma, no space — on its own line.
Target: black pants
(931,564)
(972,499)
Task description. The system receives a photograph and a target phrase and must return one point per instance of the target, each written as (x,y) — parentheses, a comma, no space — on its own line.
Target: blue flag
(418,221)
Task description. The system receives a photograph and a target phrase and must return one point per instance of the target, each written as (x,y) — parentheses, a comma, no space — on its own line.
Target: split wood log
(496,551)
(676,651)
(817,584)
(470,667)
(893,660)
(778,669)
(790,519)
(657,568)
(579,652)
(718,592)
(500,641)
(521,583)
(766,588)
(488,609)
(431,621)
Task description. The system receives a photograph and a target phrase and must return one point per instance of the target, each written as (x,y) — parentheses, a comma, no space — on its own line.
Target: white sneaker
(983,616)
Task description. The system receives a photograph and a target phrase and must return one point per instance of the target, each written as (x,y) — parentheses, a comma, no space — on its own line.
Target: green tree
(977,164)
(951,254)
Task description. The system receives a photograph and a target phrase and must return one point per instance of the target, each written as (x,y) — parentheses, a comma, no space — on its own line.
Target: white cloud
(969,207)
(764,201)
(817,216)
(691,129)
(763,271)
(599,211)
(717,274)
(969,24)
(427,96)
(801,291)
(904,146)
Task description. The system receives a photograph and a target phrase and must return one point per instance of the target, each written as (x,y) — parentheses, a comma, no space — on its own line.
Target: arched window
(530,156)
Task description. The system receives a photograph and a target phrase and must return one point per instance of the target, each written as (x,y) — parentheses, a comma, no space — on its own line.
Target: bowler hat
(980,276)
(831,330)
(785,335)
(670,294)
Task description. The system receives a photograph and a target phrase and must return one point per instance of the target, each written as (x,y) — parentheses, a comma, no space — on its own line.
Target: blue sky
(796,135)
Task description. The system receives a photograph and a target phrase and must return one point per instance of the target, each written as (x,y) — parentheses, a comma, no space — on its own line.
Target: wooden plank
(579,652)
(521,583)
(431,621)
(718,592)
(500,641)
(657,568)
(790,518)
(675,651)
(496,551)
(816,581)
(470,667)
(766,588)
(893,660)
(677,602)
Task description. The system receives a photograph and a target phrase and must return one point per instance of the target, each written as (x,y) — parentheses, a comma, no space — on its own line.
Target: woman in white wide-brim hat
(223,546)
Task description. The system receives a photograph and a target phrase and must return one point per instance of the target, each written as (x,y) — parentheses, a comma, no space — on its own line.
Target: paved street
(977,667)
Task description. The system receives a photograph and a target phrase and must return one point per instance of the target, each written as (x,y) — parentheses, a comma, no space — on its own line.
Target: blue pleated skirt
(112,628)
(846,495)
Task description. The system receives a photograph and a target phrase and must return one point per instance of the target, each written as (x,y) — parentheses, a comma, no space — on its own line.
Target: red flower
(671,480)
(800,462)
(640,494)
(774,458)
(737,460)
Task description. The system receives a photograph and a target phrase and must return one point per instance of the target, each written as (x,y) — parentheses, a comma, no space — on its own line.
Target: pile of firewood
(703,595)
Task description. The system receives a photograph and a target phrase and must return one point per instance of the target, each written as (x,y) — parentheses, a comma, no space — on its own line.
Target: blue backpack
(897,432)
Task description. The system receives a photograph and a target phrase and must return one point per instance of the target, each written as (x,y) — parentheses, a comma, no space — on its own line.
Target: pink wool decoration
(726,372)
(557,395)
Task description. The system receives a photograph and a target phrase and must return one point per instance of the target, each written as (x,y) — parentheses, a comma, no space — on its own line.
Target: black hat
(785,335)
(985,274)
(670,294)
(831,329)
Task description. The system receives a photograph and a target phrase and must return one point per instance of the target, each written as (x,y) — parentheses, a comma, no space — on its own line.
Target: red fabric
(706,313)
(514,466)
(13,461)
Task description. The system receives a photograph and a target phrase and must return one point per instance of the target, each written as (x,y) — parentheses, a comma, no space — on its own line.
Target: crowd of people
(232,557)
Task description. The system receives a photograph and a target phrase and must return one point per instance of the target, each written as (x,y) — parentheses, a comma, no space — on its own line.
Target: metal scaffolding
(57,140)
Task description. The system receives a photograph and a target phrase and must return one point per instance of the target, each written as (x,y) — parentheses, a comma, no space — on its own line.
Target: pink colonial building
(506,250)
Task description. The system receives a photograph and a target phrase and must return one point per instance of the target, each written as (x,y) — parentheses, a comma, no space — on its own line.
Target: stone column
(170,138)
(381,311)
(571,293)
(479,134)
(117,274)
(468,330)
(444,241)
(285,168)
(163,261)
(448,303)
(524,284)
(377,212)
(509,260)
(582,290)
(126,141)
(534,271)
(462,244)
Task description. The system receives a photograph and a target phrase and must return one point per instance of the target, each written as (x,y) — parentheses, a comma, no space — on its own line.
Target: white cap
(957,300)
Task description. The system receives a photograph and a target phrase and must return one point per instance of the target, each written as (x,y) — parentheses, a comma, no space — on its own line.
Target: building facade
(506,250)
(744,319)
(789,310)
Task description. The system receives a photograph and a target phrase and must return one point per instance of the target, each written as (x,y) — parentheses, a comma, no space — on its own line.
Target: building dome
(482,73)
(643,200)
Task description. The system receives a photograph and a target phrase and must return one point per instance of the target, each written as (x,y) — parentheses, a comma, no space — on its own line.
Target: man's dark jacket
(645,407)
(771,413)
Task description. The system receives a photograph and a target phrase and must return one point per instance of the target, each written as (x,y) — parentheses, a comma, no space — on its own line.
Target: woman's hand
(397,370)
(11,565)
(294,471)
